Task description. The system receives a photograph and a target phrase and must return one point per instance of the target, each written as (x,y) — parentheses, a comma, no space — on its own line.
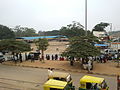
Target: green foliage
(100,27)
(6,33)
(49,33)
(24,32)
(81,47)
(14,46)
(75,29)
(42,44)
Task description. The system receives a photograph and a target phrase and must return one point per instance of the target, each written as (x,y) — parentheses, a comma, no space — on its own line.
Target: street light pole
(86,16)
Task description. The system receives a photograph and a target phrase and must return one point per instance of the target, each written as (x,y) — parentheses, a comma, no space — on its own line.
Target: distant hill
(115,33)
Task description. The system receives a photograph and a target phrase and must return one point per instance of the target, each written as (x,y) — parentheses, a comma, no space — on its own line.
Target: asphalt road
(22,78)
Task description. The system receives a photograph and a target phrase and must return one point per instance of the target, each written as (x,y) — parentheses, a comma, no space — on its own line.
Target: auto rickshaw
(52,84)
(118,82)
(62,76)
(92,83)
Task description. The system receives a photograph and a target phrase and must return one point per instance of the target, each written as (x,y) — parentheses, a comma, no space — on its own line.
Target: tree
(100,27)
(75,29)
(6,33)
(81,47)
(42,45)
(14,46)
(24,31)
(52,33)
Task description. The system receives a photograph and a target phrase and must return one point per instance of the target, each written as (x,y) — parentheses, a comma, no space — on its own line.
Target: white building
(100,33)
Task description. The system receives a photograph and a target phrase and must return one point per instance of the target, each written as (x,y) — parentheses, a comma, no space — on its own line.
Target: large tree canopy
(100,27)
(6,33)
(75,29)
(81,47)
(14,46)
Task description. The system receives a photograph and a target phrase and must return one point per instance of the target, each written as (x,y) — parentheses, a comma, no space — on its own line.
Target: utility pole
(86,17)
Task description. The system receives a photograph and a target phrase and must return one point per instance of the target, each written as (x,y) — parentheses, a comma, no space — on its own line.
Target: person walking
(50,71)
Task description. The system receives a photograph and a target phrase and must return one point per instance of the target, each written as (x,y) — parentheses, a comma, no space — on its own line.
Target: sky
(48,15)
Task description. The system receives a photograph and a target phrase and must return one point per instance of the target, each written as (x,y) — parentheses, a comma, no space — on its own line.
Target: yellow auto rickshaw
(62,76)
(52,84)
(92,83)
(118,82)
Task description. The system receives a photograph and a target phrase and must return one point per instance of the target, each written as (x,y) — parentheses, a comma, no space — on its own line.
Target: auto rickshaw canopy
(59,74)
(91,79)
(51,83)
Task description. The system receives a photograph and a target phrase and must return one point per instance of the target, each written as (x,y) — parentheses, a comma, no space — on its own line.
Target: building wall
(115,45)
(99,33)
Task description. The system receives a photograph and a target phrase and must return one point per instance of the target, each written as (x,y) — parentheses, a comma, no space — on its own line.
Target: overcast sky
(53,14)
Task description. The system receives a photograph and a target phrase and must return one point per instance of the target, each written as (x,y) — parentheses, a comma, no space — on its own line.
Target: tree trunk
(42,54)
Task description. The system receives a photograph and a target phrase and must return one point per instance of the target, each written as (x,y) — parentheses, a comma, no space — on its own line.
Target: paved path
(23,78)
(108,68)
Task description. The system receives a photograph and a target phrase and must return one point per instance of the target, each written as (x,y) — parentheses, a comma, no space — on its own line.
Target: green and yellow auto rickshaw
(92,83)
(52,84)
(62,76)
(118,82)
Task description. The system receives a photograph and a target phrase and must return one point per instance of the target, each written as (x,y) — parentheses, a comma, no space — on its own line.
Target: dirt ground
(54,47)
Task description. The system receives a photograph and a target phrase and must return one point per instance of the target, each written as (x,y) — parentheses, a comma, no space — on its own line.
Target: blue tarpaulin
(47,37)
(101,45)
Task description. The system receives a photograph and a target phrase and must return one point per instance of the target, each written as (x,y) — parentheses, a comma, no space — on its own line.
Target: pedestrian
(32,57)
(15,59)
(52,57)
(116,56)
(26,57)
(50,71)
(56,57)
(89,65)
(48,57)
(20,57)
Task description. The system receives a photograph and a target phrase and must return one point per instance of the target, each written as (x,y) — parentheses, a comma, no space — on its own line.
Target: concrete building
(100,33)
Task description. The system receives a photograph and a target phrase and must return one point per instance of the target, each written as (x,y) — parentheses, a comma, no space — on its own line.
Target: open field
(53,45)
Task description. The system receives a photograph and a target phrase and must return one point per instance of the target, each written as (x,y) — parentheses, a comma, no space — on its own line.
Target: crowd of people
(103,58)
(54,57)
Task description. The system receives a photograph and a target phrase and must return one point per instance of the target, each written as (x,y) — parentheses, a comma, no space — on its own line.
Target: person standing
(20,57)
(89,65)
(32,57)
(26,57)
(56,57)
(52,57)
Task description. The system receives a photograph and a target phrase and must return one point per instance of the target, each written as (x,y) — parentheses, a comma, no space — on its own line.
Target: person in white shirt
(89,65)
(50,71)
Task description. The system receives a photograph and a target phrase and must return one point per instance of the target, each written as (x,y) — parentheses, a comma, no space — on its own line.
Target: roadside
(108,68)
